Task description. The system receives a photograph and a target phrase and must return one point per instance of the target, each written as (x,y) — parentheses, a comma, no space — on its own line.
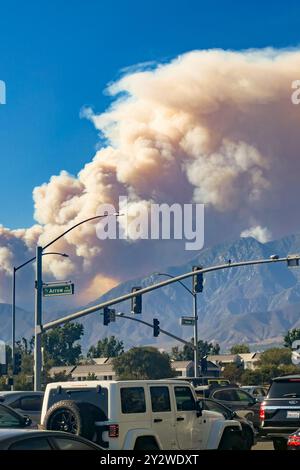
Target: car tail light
(262,412)
(113,430)
(294,441)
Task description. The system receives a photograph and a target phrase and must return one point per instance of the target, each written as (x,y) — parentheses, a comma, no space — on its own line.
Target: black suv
(280,411)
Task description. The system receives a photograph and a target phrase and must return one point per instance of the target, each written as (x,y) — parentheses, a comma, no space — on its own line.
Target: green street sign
(58,289)
(187,321)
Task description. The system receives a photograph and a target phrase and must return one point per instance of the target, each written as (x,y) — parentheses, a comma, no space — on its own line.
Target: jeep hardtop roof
(95,383)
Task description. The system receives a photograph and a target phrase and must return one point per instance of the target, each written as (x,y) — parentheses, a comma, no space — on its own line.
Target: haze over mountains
(255,304)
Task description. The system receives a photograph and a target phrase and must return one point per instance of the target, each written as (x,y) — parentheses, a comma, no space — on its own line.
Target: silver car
(257,391)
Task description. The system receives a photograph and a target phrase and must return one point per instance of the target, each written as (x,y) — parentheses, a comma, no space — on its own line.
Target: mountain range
(253,304)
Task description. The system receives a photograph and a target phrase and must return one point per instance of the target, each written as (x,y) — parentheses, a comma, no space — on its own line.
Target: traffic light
(106,316)
(197,280)
(17,363)
(136,301)
(156,329)
(109,315)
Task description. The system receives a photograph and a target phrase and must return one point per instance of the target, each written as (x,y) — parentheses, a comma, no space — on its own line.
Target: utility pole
(13,335)
(38,320)
(196,349)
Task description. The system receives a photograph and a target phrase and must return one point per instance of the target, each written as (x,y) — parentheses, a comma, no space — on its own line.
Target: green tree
(251,377)
(232,372)
(91,376)
(291,335)
(143,363)
(275,357)
(107,347)
(187,352)
(24,380)
(61,345)
(240,349)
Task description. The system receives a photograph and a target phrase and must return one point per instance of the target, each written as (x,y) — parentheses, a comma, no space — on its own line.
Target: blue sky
(56,57)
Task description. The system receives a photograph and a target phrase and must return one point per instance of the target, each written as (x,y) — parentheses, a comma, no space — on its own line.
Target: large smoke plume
(213,127)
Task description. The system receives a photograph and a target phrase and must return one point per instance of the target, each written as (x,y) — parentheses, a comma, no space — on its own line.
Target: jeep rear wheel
(75,418)
(231,441)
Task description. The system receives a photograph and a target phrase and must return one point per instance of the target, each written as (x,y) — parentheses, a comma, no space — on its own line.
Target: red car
(294,441)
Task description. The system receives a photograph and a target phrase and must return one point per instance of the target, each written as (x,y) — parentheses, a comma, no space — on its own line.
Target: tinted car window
(63,443)
(243,396)
(160,399)
(34,443)
(184,399)
(96,396)
(214,406)
(133,400)
(285,389)
(8,419)
(225,395)
(15,404)
(33,403)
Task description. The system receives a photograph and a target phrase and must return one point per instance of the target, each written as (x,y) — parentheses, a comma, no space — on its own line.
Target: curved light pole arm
(77,225)
(179,282)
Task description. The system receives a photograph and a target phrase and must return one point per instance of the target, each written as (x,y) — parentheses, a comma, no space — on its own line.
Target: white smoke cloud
(212,126)
(262,234)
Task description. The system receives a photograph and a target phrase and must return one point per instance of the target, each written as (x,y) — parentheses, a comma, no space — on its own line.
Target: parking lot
(263,445)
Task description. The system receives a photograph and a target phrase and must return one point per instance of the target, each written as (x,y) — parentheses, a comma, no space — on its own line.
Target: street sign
(58,289)
(187,321)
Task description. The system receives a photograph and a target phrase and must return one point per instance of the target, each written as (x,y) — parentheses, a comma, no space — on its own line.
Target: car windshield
(285,389)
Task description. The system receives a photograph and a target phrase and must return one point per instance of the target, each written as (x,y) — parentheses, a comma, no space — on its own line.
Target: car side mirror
(27,421)
(199,408)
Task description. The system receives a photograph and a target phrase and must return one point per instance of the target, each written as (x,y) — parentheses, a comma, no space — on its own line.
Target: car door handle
(180,418)
(157,420)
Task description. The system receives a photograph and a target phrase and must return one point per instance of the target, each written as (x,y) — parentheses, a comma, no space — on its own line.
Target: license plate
(293,414)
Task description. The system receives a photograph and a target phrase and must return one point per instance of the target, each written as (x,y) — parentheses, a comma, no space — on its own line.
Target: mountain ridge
(253,304)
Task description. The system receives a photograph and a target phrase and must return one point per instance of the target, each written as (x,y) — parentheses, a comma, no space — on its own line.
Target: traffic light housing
(106,316)
(197,280)
(109,315)
(17,363)
(136,301)
(156,329)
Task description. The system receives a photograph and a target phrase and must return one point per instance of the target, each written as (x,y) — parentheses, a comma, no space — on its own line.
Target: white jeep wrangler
(140,415)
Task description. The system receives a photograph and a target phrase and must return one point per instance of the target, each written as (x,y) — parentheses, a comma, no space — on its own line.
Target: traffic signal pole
(167,333)
(196,349)
(38,320)
(159,285)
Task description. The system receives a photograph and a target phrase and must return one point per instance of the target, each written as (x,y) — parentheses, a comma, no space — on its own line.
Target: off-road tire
(75,417)
(231,440)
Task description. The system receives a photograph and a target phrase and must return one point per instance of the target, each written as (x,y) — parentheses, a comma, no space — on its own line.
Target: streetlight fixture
(38,298)
(15,269)
(195,316)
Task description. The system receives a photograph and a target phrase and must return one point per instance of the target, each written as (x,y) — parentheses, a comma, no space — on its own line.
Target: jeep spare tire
(74,417)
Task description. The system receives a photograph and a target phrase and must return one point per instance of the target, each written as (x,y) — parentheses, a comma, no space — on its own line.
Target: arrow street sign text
(57,289)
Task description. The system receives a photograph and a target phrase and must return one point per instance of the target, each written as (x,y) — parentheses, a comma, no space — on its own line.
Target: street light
(15,269)
(38,299)
(195,316)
